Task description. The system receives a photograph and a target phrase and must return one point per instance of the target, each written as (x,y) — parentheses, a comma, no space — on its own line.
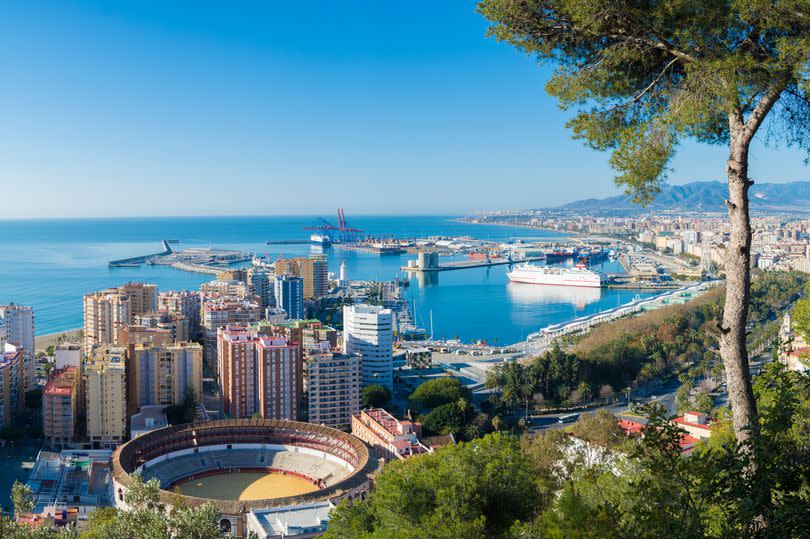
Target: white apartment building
(19,327)
(368,330)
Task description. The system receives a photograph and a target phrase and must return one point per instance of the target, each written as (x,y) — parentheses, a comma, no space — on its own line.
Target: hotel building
(368,330)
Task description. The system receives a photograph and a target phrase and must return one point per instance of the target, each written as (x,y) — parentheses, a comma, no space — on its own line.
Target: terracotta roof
(682,421)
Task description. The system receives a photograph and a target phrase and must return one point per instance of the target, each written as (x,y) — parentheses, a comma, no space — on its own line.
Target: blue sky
(194,108)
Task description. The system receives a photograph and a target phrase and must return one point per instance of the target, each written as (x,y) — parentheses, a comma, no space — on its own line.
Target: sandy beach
(44,341)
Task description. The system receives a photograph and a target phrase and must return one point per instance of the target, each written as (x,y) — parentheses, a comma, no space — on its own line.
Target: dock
(467,264)
(287,242)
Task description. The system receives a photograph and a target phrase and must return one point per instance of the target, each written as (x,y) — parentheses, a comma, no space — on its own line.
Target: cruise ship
(579,275)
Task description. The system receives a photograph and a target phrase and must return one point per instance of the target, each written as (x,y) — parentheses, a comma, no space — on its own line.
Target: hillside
(704,197)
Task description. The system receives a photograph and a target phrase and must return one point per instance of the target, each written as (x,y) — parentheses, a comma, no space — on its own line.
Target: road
(666,399)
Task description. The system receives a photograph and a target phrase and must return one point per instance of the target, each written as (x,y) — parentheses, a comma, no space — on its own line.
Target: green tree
(186,411)
(473,489)
(149,517)
(438,391)
(22,498)
(600,428)
(444,419)
(800,316)
(376,396)
(645,75)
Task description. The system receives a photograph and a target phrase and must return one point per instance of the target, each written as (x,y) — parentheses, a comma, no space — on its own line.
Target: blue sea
(50,264)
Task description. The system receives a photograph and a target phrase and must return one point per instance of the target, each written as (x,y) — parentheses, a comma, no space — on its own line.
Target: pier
(194,259)
(138,261)
(467,264)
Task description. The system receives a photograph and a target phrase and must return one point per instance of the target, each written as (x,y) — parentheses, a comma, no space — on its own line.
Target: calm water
(50,264)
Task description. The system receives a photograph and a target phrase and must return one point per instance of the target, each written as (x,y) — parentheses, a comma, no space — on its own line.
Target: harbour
(71,257)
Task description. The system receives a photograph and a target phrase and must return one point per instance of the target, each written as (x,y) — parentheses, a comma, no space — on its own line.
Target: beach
(41,342)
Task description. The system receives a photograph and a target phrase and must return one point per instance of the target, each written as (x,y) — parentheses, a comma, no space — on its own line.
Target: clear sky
(151,107)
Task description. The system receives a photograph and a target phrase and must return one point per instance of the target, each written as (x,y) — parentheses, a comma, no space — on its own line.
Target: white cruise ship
(579,275)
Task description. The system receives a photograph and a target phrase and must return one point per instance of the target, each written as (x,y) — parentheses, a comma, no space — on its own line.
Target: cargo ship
(579,275)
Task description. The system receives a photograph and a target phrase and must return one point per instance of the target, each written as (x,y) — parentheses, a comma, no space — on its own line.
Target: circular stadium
(244,464)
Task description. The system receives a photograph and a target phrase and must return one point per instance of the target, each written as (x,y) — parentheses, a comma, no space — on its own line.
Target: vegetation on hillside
(536,487)
(676,340)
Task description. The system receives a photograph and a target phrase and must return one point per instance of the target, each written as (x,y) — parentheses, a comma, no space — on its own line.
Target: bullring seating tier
(174,469)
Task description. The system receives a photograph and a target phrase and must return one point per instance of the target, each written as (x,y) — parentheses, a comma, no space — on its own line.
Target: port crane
(342,233)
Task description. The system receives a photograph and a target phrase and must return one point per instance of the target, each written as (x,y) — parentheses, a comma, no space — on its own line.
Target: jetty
(138,261)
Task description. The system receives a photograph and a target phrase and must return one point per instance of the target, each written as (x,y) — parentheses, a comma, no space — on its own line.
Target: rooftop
(293,520)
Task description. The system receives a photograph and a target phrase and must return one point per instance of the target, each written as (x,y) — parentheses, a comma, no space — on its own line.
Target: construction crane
(343,232)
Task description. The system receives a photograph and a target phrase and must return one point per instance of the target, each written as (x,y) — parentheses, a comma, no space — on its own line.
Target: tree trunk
(738,281)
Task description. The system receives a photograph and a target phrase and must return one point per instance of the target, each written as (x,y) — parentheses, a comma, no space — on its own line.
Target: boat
(320,239)
(579,275)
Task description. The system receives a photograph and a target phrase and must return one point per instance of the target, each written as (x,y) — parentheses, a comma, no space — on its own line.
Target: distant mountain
(704,197)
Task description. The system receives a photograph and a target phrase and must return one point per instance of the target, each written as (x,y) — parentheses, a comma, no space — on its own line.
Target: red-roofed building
(696,424)
(392,438)
(798,359)
(631,428)
(60,407)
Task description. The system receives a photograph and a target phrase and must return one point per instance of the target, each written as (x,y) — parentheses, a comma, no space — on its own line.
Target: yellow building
(109,311)
(106,314)
(312,270)
(105,391)
(160,374)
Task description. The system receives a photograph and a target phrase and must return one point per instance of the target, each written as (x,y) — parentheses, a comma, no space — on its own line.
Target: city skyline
(186,101)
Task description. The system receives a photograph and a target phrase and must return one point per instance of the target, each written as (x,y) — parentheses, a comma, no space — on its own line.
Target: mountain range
(703,197)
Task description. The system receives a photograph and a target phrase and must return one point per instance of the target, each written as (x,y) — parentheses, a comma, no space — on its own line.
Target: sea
(51,264)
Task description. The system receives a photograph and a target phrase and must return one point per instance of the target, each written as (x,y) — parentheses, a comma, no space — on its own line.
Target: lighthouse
(343,280)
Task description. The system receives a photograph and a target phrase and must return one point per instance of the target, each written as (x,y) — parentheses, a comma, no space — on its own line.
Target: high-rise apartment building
(332,384)
(233,289)
(312,270)
(12,383)
(308,333)
(236,362)
(280,378)
(143,297)
(106,396)
(160,374)
(176,325)
(19,323)
(262,282)
(258,374)
(106,314)
(368,330)
(220,312)
(184,303)
(60,408)
(289,293)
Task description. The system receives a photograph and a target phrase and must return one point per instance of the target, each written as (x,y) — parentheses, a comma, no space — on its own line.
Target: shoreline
(41,342)
(566,234)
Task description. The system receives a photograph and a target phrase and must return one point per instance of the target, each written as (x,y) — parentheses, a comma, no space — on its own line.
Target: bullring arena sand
(246,486)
